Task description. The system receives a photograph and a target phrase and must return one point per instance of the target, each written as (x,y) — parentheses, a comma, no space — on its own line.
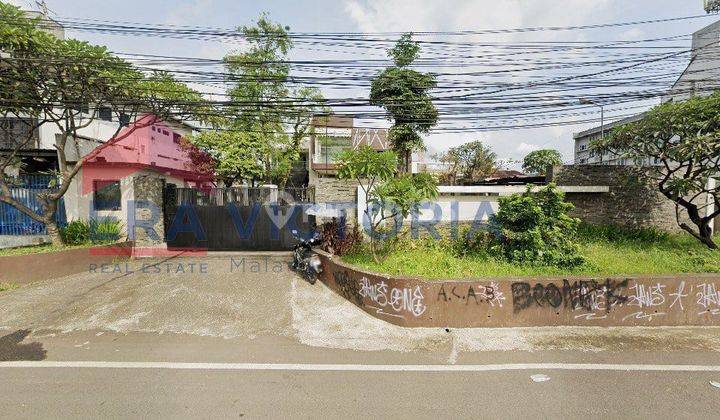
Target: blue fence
(26,189)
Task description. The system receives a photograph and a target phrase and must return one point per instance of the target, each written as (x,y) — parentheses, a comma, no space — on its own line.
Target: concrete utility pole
(602,114)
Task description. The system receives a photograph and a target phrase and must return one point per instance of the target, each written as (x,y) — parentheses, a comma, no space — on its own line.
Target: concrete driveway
(247,296)
(227,335)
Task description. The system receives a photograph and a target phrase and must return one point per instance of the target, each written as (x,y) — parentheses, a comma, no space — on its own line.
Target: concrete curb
(31,268)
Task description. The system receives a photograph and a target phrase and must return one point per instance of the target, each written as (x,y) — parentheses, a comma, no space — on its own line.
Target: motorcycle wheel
(310,275)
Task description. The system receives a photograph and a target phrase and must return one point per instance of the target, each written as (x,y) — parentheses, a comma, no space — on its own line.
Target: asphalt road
(230,343)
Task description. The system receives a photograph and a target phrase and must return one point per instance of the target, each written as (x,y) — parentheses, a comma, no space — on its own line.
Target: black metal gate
(246,219)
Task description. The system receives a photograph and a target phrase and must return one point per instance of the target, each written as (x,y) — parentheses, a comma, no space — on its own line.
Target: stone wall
(631,201)
(334,190)
(148,227)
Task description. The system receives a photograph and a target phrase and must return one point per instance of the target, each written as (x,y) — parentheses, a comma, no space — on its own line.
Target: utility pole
(602,114)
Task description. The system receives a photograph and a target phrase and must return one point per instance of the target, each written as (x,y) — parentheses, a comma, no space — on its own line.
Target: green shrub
(535,228)
(76,232)
(472,242)
(105,230)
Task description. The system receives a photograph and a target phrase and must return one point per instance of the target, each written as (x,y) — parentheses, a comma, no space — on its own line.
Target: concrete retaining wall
(25,269)
(636,301)
(14,241)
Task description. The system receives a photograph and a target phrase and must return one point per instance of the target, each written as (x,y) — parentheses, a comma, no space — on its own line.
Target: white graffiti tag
(491,294)
(375,292)
(401,300)
(709,298)
(647,296)
(408,299)
(679,295)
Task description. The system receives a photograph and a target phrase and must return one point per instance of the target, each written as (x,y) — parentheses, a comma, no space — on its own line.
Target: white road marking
(359,368)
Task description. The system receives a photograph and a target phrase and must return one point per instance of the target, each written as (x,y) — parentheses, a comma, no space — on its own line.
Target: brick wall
(631,201)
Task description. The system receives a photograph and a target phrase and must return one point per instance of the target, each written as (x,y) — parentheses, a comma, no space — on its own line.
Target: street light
(584,101)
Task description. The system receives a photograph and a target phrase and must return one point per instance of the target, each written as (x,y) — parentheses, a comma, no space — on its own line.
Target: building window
(106,195)
(105,113)
(329,148)
(124,119)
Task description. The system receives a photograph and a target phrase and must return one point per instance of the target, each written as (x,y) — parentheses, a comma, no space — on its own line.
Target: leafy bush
(105,230)
(472,242)
(76,232)
(79,232)
(534,227)
(339,240)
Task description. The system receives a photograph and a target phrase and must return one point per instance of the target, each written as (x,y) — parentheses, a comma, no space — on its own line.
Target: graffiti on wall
(660,301)
(396,302)
(473,293)
(590,295)
(348,287)
(596,299)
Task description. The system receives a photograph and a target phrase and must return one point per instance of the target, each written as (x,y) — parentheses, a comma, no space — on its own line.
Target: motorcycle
(305,261)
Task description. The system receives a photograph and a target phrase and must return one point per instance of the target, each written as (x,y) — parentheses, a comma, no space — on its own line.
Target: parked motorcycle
(305,261)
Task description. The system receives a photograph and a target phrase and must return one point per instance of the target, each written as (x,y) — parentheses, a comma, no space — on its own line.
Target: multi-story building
(586,154)
(701,77)
(331,136)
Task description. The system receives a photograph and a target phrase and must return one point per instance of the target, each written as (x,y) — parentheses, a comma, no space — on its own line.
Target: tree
(538,161)
(403,93)
(388,196)
(472,161)
(683,138)
(44,80)
(263,104)
(236,154)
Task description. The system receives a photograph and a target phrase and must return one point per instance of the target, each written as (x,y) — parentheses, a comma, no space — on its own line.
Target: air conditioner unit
(712,6)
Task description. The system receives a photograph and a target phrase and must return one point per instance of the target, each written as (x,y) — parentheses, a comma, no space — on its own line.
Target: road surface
(222,341)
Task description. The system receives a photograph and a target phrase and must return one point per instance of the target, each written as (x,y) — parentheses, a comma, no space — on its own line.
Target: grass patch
(607,251)
(40,249)
(8,286)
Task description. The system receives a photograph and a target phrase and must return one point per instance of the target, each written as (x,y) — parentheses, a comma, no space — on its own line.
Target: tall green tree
(236,155)
(538,161)
(404,94)
(471,161)
(683,139)
(62,83)
(264,105)
(388,195)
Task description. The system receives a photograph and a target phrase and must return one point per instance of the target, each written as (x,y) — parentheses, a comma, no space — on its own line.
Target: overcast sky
(393,15)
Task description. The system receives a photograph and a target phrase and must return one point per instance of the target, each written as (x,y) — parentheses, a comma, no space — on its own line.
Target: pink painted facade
(147,144)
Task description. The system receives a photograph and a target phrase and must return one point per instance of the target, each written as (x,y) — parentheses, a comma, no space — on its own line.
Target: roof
(504,173)
(609,126)
(377,138)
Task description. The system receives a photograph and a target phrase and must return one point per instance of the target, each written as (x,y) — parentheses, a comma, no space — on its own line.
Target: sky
(372,16)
